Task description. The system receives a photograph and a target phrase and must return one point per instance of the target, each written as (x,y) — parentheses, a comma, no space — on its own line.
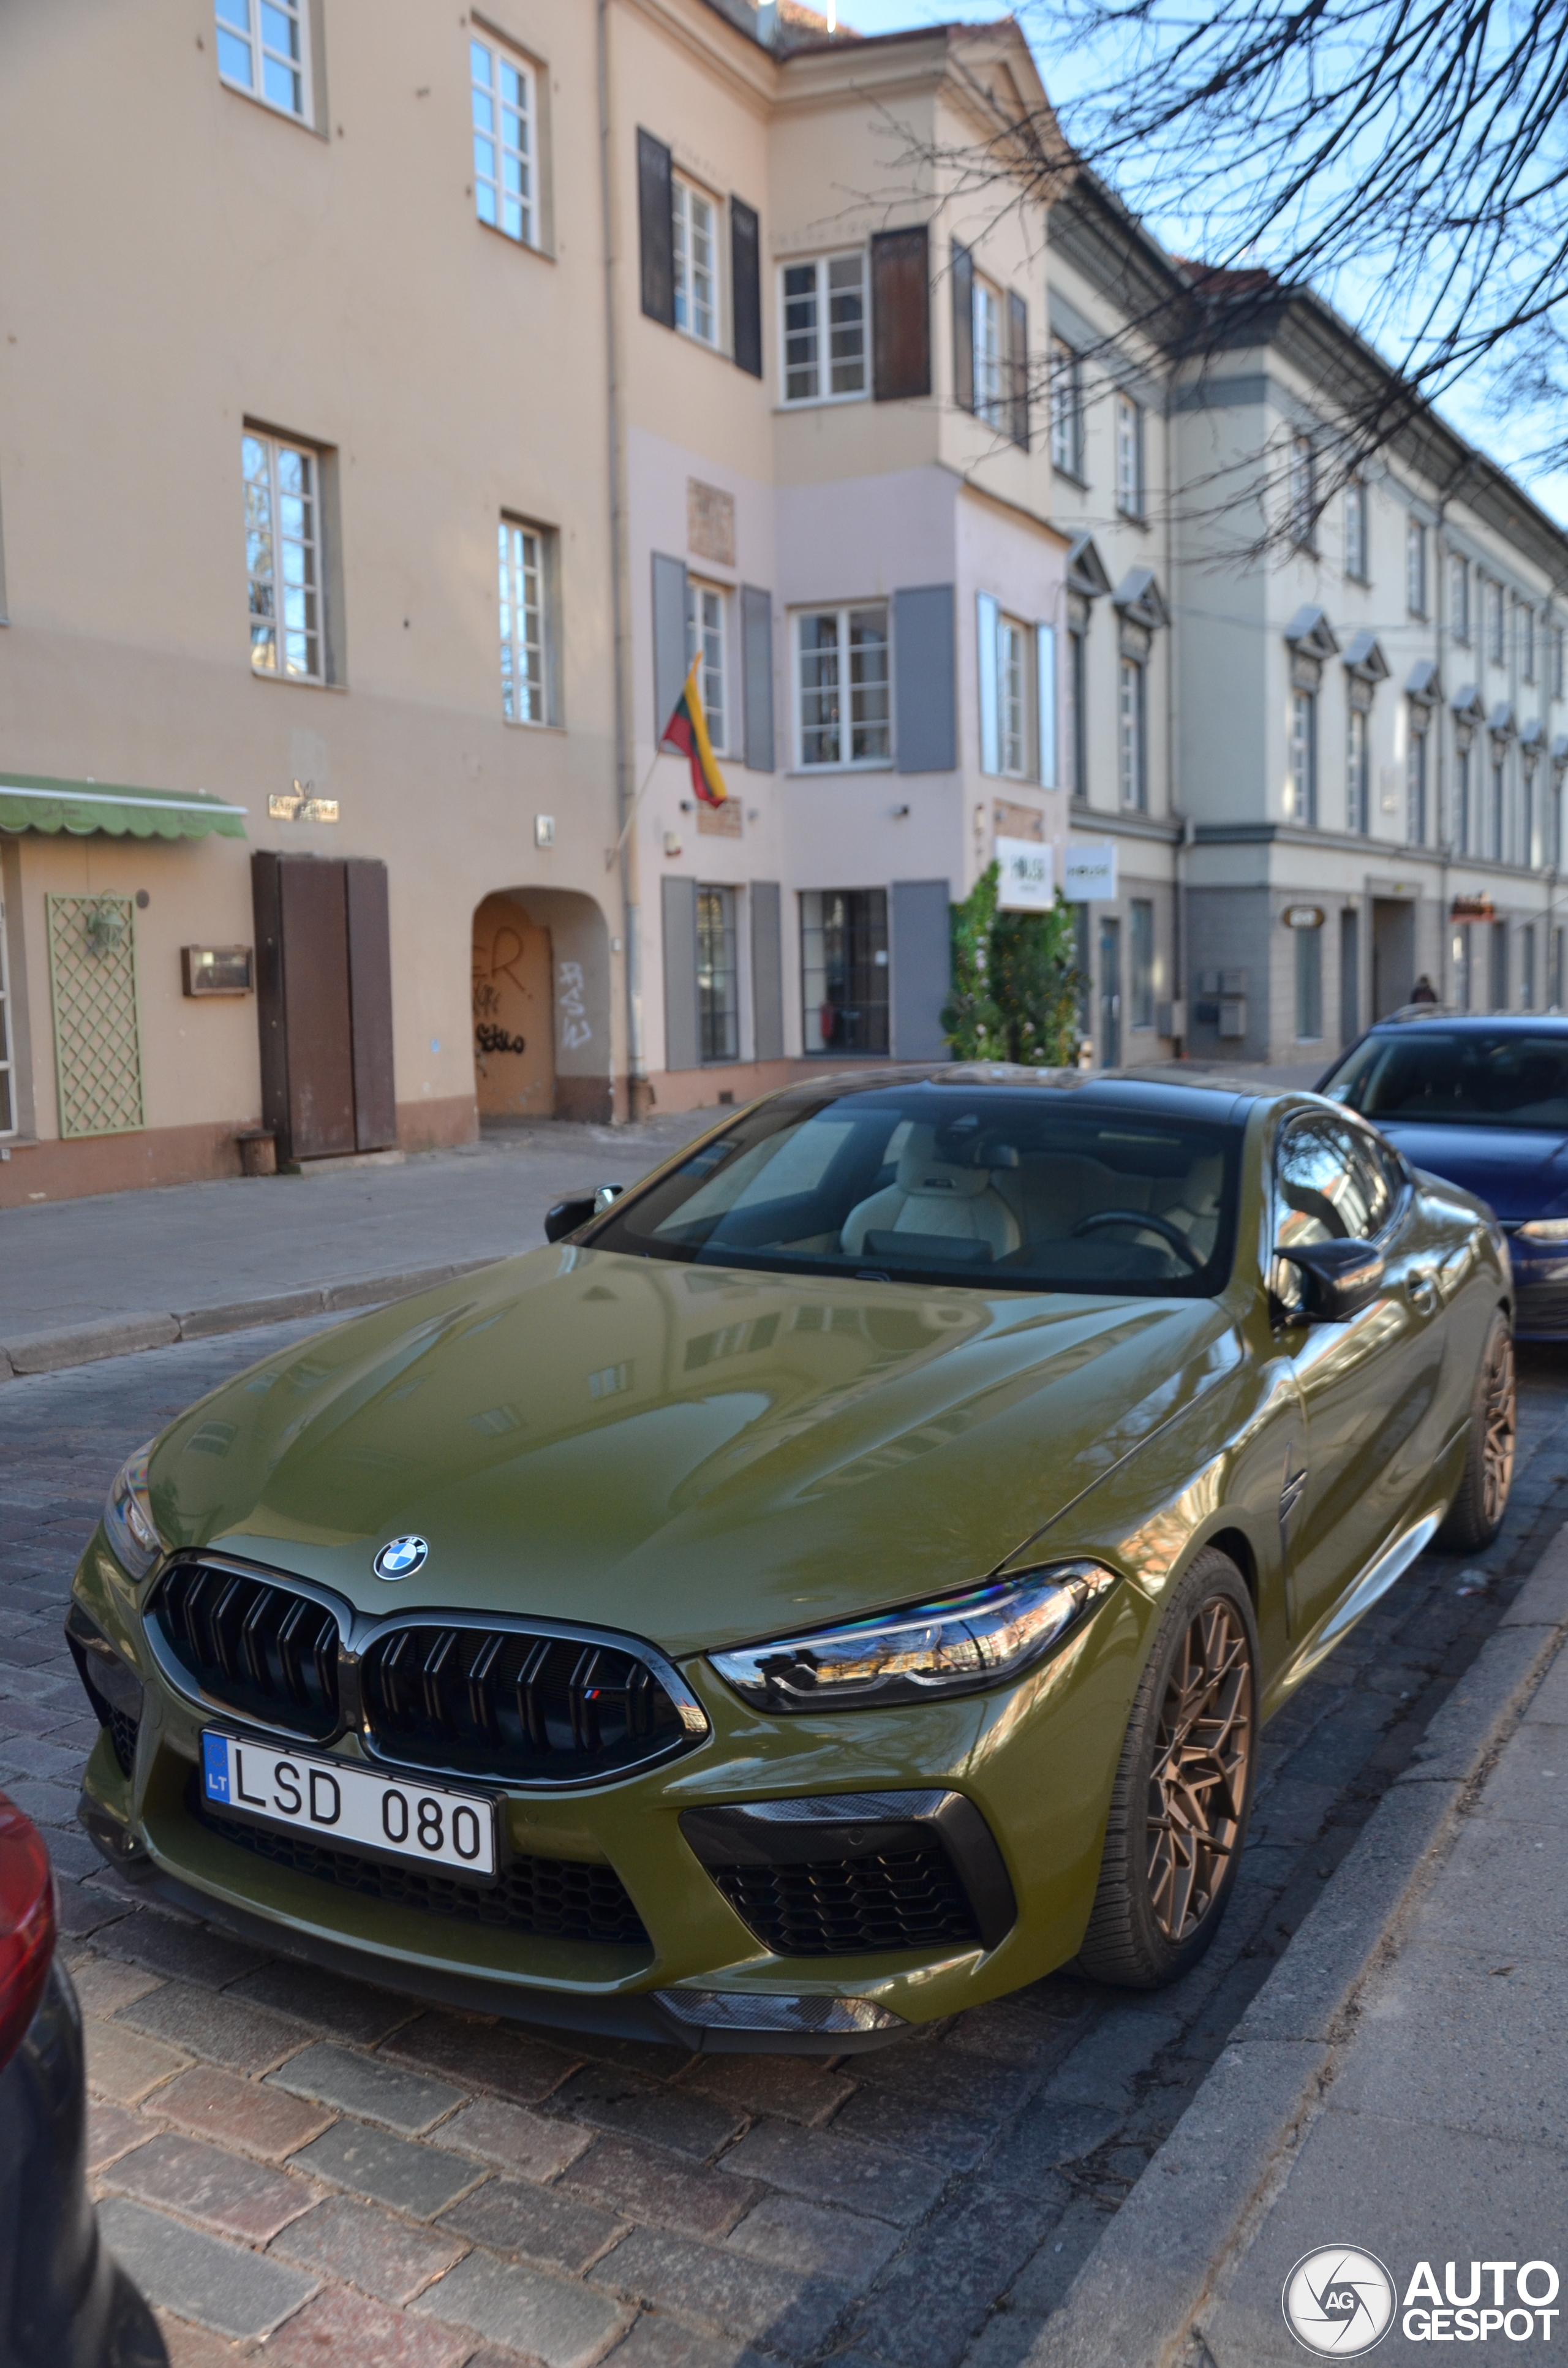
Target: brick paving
(300,2170)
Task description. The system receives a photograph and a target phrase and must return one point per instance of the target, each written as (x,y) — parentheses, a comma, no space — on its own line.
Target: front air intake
(255,1648)
(519,1705)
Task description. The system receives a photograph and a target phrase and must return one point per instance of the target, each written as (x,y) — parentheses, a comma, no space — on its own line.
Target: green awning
(34,801)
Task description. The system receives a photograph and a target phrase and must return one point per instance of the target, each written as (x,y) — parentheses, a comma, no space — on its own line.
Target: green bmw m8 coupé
(837,1581)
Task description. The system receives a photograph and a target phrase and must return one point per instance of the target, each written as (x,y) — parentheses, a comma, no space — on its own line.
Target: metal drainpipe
(639,1093)
(1172,727)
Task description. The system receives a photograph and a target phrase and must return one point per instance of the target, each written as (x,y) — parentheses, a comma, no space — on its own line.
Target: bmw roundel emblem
(399,1558)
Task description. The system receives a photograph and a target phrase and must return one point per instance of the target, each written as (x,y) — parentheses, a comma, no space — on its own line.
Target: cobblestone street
(298,2167)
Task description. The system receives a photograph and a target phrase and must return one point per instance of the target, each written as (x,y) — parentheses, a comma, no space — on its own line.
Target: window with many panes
(1459,596)
(1416,789)
(1130,721)
(706,636)
(1066,407)
(502,96)
(1527,642)
(1355,530)
(824,328)
(1129,457)
(1415,567)
(844,712)
(844,970)
(696,220)
(989,354)
(1014,645)
(1559,663)
(1464,816)
(1304,793)
(1496,647)
(526,669)
(718,975)
(1302,492)
(283,556)
(1357,810)
(264,47)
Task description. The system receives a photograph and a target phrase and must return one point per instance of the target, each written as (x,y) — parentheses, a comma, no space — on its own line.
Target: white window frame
(1013,699)
(520,152)
(840,762)
(1527,641)
(1497,626)
(1559,663)
(723,1009)
(1356,522)
(1304,758)
(229,37)
(525,564)
(708,622)
(1301,491)
(823,330)
(1415,592)
(1066,408)
(988,315)
(268,484)
(1357,770)
(1132,732)
(1459,595)
(685,196)
(1416,789)
(1129,456)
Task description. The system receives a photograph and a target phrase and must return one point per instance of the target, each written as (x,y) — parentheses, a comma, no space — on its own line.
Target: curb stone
(1136,2297)
(85,1344)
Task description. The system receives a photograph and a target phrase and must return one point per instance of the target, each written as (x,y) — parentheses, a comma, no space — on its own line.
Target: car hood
(695,1455)
(1516,1172)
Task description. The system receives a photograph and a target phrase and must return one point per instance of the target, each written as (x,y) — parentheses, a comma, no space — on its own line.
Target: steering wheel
(1168,1232)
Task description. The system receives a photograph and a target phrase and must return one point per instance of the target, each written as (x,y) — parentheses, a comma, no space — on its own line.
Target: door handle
(1423,1290)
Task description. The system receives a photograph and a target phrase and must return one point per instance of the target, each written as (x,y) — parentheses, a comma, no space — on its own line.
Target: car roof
(1214,1103)
(1474,1023)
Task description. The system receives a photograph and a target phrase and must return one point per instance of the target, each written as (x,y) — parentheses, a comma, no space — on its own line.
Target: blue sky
(1469,410)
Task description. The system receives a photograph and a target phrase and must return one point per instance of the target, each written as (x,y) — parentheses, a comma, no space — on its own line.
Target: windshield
(1459,1077)
(1023,1191)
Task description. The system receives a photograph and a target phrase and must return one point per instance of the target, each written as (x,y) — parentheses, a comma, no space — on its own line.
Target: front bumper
(1540,1285)
(1015,1787)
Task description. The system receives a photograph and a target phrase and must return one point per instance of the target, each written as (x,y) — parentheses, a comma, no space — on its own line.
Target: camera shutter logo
(399,1558)
(1338,2301)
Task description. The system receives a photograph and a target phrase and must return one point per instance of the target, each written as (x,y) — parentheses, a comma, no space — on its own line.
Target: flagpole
(631,812)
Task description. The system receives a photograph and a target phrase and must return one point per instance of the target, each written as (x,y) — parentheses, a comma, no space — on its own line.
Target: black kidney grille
(490,1702)
(264,1651)
(562,1899)
(852,1907)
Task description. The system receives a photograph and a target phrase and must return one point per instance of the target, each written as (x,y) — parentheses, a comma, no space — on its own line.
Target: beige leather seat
(1196,1209)
(934,1197)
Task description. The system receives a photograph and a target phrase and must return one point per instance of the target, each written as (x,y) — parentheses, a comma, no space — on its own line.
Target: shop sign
(1302,916)
(1090,874)
(1025,882)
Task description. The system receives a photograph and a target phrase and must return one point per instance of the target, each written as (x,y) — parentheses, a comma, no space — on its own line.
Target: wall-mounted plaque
(216,969)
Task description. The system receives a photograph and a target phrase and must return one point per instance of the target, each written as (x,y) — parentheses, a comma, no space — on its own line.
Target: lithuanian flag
(687,728)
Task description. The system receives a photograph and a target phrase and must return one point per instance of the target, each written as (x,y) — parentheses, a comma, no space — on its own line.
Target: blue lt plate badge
(215,1767)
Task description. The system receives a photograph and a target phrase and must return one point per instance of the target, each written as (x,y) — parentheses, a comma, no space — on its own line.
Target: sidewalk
(81,1279)
(1399,2085)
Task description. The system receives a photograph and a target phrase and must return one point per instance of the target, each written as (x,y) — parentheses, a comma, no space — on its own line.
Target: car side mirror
(1338,1279)
(576,1210)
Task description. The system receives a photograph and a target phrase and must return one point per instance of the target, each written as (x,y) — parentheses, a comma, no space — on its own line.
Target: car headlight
(128,1516)
(1546,1229)
(956,1645)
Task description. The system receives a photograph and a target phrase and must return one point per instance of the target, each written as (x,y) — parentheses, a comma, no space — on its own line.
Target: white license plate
(339,1803)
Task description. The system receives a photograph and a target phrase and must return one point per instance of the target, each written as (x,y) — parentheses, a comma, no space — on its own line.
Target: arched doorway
(514,1034)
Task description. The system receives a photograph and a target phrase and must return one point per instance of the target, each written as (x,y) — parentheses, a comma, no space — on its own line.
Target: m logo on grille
(400,1557)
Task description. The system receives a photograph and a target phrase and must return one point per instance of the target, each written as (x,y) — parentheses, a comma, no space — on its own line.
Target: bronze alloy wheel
(1497,1436)
(1198,1785)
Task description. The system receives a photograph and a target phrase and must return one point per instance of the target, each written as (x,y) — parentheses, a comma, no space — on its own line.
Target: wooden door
(514,1041)
(324,1004)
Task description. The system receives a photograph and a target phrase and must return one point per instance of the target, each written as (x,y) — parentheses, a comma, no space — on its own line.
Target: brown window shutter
(901,314)
(746,286)
(370,993)
(313,1113)
(1018,357)
(963,327)
(655,209)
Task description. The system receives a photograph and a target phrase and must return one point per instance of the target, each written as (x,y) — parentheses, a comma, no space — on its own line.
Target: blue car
(1482,1102)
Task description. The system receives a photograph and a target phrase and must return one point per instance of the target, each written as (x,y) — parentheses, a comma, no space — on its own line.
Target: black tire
(1172,1848)
(1482,1500)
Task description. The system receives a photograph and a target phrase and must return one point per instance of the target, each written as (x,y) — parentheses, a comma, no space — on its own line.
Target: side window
(1331,1186)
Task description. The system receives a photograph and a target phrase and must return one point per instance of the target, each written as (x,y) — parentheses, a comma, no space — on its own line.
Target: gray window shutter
(766,973)
(746,286)
(669,637)
(683,1036)
(922,965)
(655,209)
(901,314)
(924,711)
(987,623)
(756,671)
(963,327)
(1018,357)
